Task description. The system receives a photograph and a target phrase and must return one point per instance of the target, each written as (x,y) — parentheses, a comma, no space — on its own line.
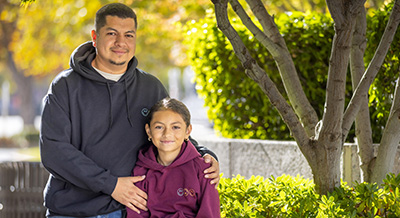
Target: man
(93,123)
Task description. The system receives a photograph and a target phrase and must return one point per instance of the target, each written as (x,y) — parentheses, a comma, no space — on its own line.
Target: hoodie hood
(147,157)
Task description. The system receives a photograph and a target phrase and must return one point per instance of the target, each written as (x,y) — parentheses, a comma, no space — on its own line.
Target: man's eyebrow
(110,28)
(129,31)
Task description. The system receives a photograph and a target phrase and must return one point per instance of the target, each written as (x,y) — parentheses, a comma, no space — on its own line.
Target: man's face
(115,44)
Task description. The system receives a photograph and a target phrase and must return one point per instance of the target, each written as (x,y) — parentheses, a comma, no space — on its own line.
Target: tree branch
(255,72)
(267,21)
(274,42)
(363,121)
(342,10)
(260,36)
(331,128)
(390,141)
(373,68)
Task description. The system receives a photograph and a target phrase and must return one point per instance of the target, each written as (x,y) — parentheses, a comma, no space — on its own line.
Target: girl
(174,181)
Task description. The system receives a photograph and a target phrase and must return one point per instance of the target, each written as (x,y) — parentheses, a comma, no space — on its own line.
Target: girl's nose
(167,131)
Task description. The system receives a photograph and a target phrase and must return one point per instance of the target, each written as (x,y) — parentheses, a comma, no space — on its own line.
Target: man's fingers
(207,158)
(130,195)
(137,178)
(139,203)
(214,165)
(216,182)
(211,169)
(212,176)
(130,206)
(140,193)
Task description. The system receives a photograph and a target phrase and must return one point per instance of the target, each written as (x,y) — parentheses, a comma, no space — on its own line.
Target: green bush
(294,197)
(238,107)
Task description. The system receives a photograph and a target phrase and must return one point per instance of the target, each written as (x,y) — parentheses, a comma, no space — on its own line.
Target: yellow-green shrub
(294,197)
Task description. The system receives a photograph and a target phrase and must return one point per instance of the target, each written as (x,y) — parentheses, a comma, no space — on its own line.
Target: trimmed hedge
(294,197)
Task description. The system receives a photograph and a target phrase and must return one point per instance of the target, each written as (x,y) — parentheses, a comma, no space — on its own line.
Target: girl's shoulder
(200,164)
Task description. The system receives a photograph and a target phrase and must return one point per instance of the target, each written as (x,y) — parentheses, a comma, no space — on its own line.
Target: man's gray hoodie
(91,131)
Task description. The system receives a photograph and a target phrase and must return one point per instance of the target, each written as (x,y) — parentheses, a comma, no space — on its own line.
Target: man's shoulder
(67,74)
(147,79)
(143,74)
(64,80)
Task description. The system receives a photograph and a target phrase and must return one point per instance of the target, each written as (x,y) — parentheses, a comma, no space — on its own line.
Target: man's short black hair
(113,9)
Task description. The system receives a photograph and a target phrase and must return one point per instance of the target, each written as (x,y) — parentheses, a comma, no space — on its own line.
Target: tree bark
(255,72)
(390,141)
(363,121)
(276,45)
(326,171)
(329,135)
(372,69)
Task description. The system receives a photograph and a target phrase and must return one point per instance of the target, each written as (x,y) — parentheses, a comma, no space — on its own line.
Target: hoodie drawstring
(127,103)
(111,112)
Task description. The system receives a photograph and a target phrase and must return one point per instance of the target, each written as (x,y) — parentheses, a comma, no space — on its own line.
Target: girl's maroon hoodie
(177,190)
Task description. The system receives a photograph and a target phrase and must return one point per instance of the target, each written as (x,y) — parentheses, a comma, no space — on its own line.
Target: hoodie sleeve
(59,156)
(202,149)
(209,206)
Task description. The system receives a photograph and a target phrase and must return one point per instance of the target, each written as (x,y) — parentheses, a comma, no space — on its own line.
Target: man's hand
(128,194)
(213,171)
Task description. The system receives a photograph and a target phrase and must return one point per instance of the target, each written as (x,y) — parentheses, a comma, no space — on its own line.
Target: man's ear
(94,37)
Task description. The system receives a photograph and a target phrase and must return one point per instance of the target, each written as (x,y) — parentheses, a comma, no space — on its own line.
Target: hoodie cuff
(110,185)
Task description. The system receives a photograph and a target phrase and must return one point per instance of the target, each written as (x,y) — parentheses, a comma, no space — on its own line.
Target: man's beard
(115,63)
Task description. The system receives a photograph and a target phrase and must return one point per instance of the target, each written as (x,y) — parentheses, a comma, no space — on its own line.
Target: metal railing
(21,189)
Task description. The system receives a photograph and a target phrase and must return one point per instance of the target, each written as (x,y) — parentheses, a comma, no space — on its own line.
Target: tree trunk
(390,141)
(323,148)
(373,68)
(326,170)
(363,121)
(24,83)
(25,92)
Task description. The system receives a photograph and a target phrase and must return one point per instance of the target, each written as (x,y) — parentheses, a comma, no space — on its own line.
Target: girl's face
(167,130)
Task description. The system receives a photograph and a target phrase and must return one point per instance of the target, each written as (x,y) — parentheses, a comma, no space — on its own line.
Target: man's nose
(120,39)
